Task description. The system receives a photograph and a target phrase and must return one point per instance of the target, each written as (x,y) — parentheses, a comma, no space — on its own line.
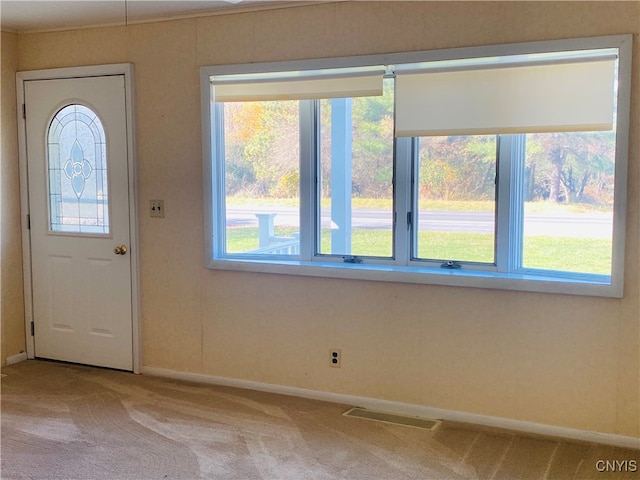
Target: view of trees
(262,149)
(571,167)
(457,168)
(262,157)
(372,149)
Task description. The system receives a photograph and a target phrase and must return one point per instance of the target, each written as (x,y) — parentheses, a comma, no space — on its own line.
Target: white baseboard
(13,359)
(404,408)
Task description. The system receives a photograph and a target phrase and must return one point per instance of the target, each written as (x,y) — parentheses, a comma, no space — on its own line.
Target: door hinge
(33,329)
(28,222)
(24,111)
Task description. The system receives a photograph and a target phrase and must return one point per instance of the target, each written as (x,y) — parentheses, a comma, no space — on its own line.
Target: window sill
(527,282)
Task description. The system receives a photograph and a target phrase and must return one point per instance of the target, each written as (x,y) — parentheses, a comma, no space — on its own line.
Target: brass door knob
(120,250)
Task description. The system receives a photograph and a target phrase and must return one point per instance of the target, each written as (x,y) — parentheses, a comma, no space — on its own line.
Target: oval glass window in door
(77,171)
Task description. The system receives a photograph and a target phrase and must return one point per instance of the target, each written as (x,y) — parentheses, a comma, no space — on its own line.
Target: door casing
(127,70)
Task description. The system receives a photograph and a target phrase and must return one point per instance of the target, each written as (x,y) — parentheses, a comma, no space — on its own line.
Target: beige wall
(11,298)
(554,359)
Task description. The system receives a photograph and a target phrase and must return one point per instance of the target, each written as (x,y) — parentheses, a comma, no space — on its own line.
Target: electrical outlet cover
(156,208)
(335,358)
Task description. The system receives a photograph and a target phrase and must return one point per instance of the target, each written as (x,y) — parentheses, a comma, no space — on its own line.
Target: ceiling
(37,15)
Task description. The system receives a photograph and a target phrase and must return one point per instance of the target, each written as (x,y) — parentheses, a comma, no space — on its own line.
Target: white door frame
(125,69)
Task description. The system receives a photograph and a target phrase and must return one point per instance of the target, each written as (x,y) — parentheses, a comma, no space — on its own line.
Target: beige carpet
(64,421)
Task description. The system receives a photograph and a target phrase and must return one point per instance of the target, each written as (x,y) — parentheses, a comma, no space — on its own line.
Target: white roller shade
(365,85)
(516,99)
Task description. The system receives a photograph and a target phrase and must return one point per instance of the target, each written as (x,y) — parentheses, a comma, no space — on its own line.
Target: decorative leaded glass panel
(78,193)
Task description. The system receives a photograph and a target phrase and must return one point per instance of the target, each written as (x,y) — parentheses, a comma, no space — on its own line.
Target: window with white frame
(499,167)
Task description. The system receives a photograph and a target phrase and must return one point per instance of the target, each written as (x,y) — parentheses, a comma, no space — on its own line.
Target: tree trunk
(558,157)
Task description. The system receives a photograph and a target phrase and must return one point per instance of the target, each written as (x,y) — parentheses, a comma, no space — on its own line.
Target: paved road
(586,225)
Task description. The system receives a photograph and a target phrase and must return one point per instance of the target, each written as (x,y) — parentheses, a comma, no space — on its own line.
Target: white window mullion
(516,211)
(503,217)
(510,233)
(403,200)
(218,184)
(309,208)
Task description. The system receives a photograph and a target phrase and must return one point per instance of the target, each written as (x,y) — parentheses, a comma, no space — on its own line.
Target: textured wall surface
(553,359)
(11,297)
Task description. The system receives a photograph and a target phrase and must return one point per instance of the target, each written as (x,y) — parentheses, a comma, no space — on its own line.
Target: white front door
(77,163)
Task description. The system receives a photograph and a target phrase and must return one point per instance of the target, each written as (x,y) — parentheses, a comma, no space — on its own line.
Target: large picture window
(499,167)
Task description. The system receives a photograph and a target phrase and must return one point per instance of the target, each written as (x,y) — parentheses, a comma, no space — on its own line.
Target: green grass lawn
(557,253)
(584,255)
